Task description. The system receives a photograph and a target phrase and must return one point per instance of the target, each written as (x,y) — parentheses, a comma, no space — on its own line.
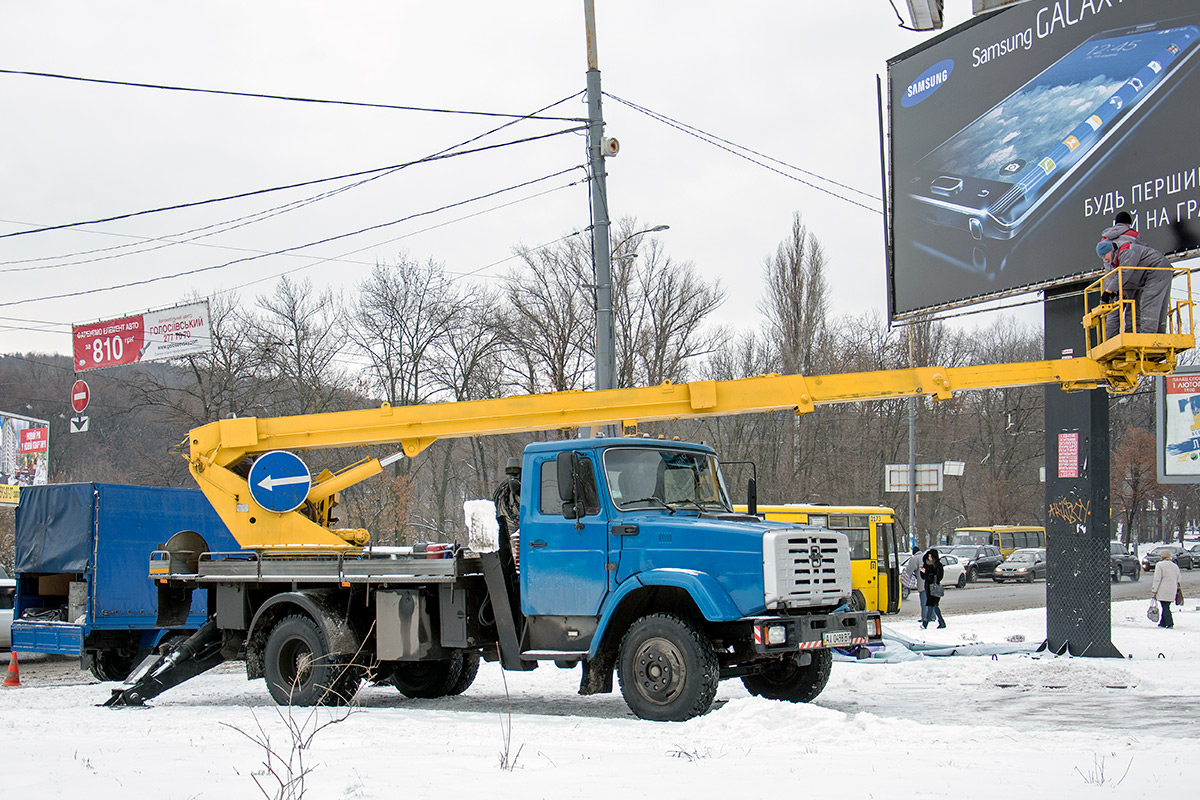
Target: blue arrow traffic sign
(279,481)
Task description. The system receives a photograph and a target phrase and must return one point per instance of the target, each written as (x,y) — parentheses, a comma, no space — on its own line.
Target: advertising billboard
(1178,426)
(153,336)
(24,454)
(1016,138)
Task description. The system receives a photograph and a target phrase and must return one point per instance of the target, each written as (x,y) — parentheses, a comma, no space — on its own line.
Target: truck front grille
(805,567)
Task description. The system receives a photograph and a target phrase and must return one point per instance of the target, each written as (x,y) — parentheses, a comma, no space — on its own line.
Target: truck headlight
(770,634)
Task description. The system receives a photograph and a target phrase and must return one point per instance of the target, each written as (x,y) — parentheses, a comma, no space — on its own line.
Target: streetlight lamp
(657,228)
(606,349)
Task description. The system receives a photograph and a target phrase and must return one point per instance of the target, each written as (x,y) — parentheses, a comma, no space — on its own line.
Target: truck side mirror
(567,465)
(752,497)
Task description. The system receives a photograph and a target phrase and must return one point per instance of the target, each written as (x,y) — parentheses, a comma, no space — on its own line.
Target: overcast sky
(795,81)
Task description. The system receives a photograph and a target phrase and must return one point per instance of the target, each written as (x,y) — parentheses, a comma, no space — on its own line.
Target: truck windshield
(648,478)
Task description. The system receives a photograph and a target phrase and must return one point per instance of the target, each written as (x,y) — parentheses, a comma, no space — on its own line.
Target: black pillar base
(1078,527)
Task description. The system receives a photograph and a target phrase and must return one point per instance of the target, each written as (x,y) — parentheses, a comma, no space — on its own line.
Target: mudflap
(198,653)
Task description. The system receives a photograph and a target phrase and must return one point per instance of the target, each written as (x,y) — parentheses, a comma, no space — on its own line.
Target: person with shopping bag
(932,573)
(1166,588)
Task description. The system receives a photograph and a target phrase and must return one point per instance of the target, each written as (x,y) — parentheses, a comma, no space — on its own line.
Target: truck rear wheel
(786,680)
(110,665)
(667,669)
(470,668)
(440,678)
(300,670)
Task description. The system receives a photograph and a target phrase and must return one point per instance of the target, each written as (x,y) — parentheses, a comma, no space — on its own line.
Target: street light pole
(602,249)
(606,358)
(616,249)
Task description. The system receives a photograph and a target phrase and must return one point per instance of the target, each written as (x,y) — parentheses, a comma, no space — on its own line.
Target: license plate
(835,638)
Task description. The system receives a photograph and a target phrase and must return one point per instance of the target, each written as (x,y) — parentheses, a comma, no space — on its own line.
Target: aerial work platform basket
(1130,353)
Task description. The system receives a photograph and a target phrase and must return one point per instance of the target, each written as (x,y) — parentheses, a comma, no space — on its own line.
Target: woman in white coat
(1166,584)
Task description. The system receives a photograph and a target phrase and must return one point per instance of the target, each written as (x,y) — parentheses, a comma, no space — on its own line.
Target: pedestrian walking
(910,577)
(1165,587)
(932,573)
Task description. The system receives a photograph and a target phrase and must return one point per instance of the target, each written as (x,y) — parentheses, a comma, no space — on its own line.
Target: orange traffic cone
(14,672)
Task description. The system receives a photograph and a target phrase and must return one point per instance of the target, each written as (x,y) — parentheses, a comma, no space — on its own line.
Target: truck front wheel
(667,669)
(440,678)
(300,670)
(786,680)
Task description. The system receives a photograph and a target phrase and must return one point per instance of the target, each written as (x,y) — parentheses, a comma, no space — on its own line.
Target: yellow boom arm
(218,450)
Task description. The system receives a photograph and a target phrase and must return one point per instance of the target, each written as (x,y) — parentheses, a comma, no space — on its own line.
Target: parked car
(980,560)
(1122,562)
(8,591)
(954,571)
(1022,565)
(1182,558)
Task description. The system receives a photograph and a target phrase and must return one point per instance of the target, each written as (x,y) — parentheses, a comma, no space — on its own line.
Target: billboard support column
(1078,526)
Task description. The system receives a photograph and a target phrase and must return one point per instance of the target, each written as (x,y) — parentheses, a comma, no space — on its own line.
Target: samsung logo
(929,82)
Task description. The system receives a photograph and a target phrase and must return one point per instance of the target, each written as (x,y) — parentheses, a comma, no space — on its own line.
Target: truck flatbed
(396,565)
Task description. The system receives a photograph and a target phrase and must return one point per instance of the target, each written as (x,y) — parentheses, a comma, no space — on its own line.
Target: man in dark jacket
(1149,289)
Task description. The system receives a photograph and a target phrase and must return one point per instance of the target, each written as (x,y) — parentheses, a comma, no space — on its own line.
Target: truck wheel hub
(660,670)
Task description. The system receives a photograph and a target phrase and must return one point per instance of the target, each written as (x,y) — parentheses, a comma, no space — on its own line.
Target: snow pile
(1062,674)
(482,530)
(992,727)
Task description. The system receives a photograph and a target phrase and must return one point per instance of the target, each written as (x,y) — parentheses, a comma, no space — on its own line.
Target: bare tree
(550,318)
(230,379)
(1132,479)
(795,305)
(402,318)
(301,339)
(468,366)
(999,433)
(659,308)
(796,300)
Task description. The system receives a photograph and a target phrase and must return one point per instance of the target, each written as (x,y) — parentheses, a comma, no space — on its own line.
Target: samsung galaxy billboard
(1017,137)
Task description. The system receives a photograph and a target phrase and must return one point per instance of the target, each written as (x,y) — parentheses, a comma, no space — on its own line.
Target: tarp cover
(54,528)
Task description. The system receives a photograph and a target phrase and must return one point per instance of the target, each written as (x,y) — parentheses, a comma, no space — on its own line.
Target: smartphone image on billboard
(991,177)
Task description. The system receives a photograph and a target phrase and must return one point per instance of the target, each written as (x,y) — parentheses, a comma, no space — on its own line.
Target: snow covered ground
(1013,726)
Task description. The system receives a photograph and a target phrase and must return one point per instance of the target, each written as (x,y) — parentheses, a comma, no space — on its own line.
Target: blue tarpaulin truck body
(81,553)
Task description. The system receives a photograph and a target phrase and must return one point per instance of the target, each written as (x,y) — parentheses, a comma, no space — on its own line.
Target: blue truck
(81,552)
(630,560)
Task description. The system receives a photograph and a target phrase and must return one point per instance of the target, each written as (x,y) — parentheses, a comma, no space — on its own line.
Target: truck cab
(617,531)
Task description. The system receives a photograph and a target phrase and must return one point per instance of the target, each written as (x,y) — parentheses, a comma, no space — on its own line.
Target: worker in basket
(1149,289)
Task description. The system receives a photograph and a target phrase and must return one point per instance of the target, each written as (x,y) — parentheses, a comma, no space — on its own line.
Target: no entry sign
(80,395)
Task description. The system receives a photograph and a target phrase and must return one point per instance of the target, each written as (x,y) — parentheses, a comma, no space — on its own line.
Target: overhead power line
(249,219)
(313,243)
(288,98)
(753,156)
(241,195)
(50,326)
(342,256)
